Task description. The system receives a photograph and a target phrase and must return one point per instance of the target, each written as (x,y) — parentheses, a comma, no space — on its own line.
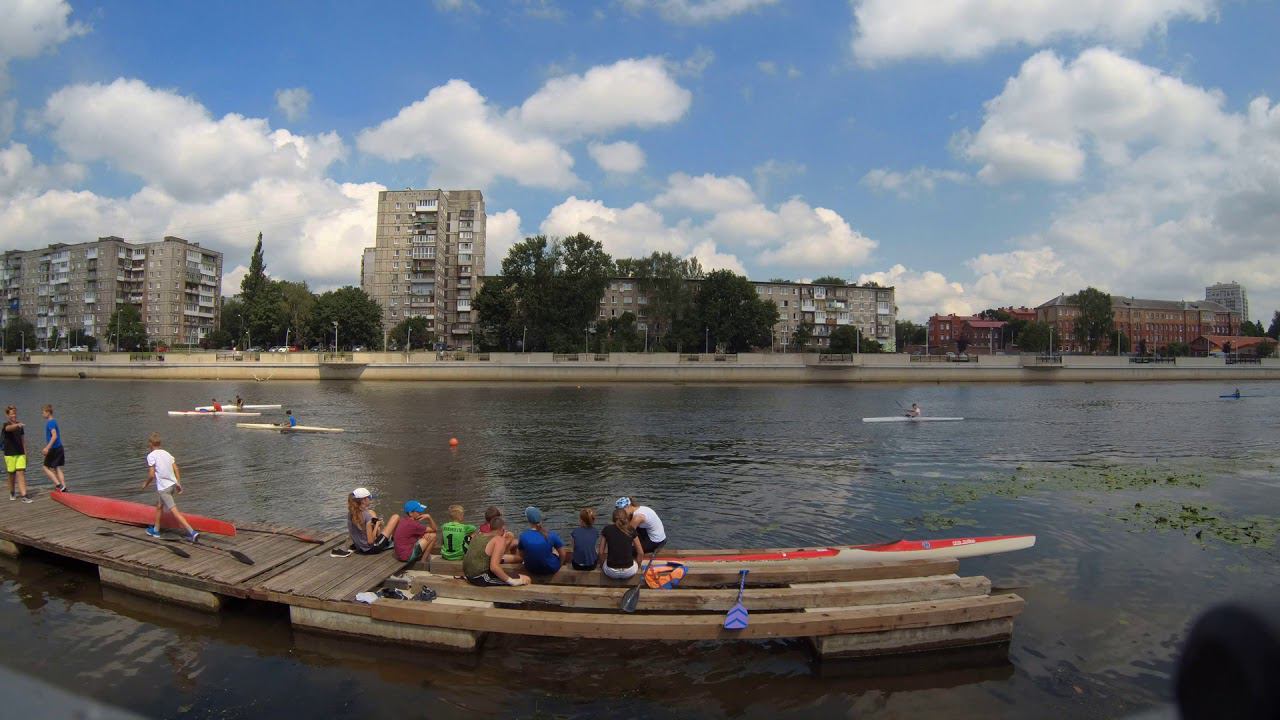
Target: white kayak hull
(195,413)
(286,429)
(903,418)
(206,408)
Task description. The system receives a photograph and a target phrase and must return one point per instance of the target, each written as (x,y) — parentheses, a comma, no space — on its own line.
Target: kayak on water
(132,513)
(903,418)
(286,429)
(900,549)
(214,412)
(1232,397)
(207,408)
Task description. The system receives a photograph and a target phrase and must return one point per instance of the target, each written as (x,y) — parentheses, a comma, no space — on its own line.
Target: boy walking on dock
(54,456)
(15,455)
(162,470)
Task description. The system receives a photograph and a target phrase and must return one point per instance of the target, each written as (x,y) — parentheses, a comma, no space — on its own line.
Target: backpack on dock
(664,576)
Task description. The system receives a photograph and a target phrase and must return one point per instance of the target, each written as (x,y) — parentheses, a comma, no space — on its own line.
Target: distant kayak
(287,429)
(903,418)
(1232,397)
(214,412)
(207,408)
(131,513)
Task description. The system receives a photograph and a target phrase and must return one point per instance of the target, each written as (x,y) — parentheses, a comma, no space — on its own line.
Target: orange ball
(453,442)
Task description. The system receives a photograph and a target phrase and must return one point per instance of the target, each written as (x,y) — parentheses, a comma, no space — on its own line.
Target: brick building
(1155,322)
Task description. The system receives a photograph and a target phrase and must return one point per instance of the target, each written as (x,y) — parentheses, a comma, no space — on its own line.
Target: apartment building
(71,290)
(826,307)
(427,259)
(1153,322)
(1232,295)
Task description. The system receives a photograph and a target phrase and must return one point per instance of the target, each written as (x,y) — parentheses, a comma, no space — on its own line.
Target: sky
(970,153)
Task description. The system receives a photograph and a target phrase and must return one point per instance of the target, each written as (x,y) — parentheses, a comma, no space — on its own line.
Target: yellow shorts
(14,463)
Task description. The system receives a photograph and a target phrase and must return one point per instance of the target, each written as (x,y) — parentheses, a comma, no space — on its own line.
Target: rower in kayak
(915,411)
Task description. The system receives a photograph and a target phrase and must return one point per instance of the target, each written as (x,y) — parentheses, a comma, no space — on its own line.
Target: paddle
(632,597)
(241,557)
(736,618)
(111,533)
(297,534)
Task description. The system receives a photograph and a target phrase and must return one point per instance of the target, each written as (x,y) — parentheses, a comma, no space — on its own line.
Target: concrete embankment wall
(623,367)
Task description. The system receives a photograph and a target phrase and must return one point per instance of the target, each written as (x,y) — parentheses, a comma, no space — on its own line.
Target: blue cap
(414,506)
(533,514)
(622,502)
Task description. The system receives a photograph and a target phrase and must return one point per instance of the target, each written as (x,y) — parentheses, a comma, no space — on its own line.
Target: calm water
(1108,600)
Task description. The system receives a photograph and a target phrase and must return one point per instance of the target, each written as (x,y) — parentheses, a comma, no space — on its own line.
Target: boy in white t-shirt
(162,469)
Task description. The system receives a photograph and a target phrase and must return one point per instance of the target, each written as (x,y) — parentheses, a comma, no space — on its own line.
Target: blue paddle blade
(736,619)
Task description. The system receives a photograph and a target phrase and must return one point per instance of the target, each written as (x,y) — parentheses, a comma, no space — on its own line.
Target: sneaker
(194,536)
(153,532)
(26,499)
(426,594)
(393,593)
(13,496)
(62,489)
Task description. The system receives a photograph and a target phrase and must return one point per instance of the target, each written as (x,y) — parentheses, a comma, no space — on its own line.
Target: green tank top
(476,561)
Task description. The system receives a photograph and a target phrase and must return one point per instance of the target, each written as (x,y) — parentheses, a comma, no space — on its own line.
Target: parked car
(358,348)
(80,348)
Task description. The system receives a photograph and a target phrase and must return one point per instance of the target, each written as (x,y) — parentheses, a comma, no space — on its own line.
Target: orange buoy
(453,442)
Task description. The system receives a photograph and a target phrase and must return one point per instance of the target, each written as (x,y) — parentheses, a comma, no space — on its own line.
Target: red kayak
(901,549)
(131,513)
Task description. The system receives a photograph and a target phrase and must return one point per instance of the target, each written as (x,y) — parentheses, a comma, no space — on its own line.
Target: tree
(962,343)
(802,336)
(731,313)
(1266,349)
(830,280)
(261,300)
(1034,337)
(1252,329)
(498,324)
(1176,349)
(19,333)
(555,289)
(1273,332)
(414,332)
(126,326)
(295,306)
(664,279)
(909,333)
(217,339)
(1122,341)
(619,334)
(51,343)
(359,318)
(1096,319)
(867,345)
(844,339)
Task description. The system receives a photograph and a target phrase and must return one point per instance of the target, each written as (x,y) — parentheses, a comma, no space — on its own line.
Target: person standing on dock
(15,455)
(163,474)
(645,522)
(54,456)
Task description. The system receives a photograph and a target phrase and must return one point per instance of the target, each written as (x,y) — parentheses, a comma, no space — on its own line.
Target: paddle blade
(736,618)
(631,600)
(241,557)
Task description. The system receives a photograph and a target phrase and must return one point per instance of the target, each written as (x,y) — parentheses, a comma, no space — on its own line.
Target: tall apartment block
(868,308)
(1232,295)
(427,259)
(72,290)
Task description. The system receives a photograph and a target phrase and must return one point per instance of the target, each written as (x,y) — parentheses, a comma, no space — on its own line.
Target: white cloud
(768,67)
(173,143)
(232,279)
(629,93)
(698,11)
(622,158)
(501,231)
(816,239)
(8,112)
(912,182)
(29,28)
(890,30)
(457,6)
(293,102)
(1052,115)
(694,65)
(920,294)
(706,193)
(773,171)
(634,231)
(469,144)
(19,172)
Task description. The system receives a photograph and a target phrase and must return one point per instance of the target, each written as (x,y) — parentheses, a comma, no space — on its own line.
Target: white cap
(361,493)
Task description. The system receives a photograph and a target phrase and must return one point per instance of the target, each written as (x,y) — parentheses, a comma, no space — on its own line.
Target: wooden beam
(982,632)
(796,597)
(648,626)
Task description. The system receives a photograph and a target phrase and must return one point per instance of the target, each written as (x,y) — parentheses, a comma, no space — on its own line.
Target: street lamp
(23,333)
(524,339)
(706,340)
(335,336)
(408,338)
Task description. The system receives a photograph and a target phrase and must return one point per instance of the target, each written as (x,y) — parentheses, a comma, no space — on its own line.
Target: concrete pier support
(983,632)
(345,624)
(10,549)
(190,597)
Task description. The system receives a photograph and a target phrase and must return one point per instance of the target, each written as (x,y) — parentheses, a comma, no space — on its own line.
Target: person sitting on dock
(645,522)
(489,514)
(416,533)
(619,548)
(585,553)
(369,535)
(482,564)
(543,551)
(455,535)
(914,412)
(163,474)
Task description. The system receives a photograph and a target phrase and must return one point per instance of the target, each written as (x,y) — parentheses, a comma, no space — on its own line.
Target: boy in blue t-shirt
(54,456)
(544,552)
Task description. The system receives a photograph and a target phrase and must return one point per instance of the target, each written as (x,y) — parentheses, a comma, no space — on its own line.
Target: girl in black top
(619,548)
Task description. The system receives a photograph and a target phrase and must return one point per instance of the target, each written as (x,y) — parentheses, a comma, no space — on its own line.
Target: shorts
(382,543)
(576,566)
(648,545)
(14,463)
(56,457)
(486,579)
(165,498)
(416,552)
(622,574)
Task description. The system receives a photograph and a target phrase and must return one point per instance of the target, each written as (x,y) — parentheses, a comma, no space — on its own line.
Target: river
(1105,474)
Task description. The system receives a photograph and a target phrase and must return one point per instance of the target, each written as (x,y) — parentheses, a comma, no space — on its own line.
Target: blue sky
(968,154)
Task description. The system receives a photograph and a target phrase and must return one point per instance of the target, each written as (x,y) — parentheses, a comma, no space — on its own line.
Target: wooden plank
(347,624)
(198,599)
(648,626)
(798,597)
(971,634)
(783,572)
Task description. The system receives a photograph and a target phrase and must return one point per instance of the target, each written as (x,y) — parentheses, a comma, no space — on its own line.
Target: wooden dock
(842,609)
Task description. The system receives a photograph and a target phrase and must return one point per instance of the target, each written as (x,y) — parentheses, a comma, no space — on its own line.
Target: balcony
(427,206)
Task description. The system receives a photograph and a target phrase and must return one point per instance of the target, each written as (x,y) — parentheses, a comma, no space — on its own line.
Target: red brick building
(1155,322)
(1020,313)
(981,335)
(1242,345)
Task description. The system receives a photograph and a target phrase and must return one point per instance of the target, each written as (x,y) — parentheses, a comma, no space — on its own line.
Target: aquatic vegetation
(1026,479)
(1200,521)
(939,521)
